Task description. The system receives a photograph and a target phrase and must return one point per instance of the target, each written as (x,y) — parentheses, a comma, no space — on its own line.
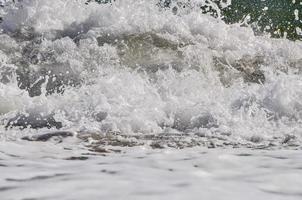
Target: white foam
(138,102)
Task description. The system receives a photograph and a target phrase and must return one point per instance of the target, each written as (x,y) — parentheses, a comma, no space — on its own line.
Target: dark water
(274,16)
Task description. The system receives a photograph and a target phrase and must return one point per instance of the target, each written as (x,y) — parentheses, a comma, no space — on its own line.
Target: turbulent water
(134,73)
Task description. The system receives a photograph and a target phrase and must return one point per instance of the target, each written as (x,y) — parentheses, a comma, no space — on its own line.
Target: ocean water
(279,18)
(125,96)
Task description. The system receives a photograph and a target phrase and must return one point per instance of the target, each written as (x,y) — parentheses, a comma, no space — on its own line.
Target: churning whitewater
(134,68)
(146,99)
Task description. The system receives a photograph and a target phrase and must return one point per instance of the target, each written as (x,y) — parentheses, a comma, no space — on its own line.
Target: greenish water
(281,18)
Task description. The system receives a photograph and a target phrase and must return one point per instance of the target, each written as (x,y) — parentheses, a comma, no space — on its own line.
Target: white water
(138,102)
(46,172)
(131,68)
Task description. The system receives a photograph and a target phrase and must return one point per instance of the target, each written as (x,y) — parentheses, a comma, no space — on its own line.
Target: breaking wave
(135,68)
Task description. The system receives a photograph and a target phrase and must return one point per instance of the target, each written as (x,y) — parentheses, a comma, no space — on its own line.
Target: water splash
(135,68)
